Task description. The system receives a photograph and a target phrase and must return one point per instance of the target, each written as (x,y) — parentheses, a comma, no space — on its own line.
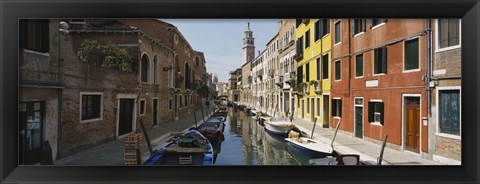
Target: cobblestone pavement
(111,154)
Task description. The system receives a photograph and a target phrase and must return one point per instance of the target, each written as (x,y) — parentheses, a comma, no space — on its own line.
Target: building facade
(378,86)
(287,68)
(313,53)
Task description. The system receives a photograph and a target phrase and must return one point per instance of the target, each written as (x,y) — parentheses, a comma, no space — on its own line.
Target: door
(31,132)
(359,122)
(303,108)
(326,114)
(312,112)
(155,116)
(125,121)
(412,113)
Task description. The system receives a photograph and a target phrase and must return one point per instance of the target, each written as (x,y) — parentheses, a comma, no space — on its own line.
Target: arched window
(197,61)
(155,70)
(144,69)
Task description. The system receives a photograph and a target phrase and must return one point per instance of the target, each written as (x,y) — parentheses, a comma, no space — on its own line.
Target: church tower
(248,46)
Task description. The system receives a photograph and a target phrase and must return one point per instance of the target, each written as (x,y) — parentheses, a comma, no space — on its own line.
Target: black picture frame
(11,11)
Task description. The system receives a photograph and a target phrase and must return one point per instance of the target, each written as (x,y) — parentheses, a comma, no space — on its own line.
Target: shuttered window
(307,39)
(91,107)
(322,27)
(380,61)
(448,32)
(325,66)
(358,26)
(307,72)
(34,35)
(318,68)
(337,32)
(338,70)
(359,65)
(316,30)
(376,112)
(142,107)
(299,74)
(411,55)
(449,112)
(337,108)
(374,22)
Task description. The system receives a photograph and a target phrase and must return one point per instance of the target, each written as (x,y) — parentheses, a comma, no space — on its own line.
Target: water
(247,143)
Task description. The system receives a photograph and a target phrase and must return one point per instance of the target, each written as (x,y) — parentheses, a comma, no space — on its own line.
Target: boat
(275,141)
(212,129)
(191,148)
(278,125)
(309,147)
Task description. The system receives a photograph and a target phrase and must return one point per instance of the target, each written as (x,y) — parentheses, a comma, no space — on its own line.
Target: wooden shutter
(381,112)
(353,27)
(384,60)
(371,23)
(334,107)
(363,22)
(371,112)
(340,107)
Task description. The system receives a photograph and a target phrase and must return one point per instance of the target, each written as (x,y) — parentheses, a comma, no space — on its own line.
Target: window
(307,39)
(411,55)
(186,100)
(448,33)
(155,70)
(298,22)
(324,27)
(91,106)
(308,105)
(144,69)
(307,72)
(299,75)
(337,107)
(359,65)
(318,106)
(300,46)
(325,66)
(318,68)
(380,61)
(338,70)
(142,106)
(316,30)
(449,112)
(375,22)
(197,61)
(170,104)
(375,112)
(358,26)
(337,32)
(34,35)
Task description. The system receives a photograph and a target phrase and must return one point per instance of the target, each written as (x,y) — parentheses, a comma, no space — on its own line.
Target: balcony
(38,69)
(298,56)
(271,72)
(279,81)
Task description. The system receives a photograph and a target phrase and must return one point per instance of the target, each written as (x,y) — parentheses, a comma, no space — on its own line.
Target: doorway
(126,115)
(303,108)
(326,112)
(31,132)
(358,117)
(412,123)
(312,112)
(155,111)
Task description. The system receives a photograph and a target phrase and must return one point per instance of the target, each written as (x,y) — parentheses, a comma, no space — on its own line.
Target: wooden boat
(212,129)
(191,148)
(278,125)
(311,148)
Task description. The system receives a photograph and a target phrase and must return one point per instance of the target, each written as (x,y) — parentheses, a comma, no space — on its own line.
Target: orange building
(378,81)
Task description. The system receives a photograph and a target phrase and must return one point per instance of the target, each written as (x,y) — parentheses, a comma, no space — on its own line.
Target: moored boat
(278,126)
(311,148)
(191,148)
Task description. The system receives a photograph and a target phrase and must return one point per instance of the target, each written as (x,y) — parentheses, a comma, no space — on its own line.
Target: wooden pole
(380,158)
(336,130)
(313,129)
(145,133)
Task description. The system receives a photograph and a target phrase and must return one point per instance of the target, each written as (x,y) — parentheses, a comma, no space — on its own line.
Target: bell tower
(248,45)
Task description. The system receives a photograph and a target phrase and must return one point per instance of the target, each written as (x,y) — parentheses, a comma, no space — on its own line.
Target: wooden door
(125,121)
(359,122)
(412,113)
(31,132)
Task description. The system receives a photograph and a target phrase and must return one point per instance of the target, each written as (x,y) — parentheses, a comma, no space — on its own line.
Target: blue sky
(221,40)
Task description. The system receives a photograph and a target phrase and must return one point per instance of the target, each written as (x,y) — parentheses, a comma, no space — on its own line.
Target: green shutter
(340,107)
(372,23)
(411,54)
(334,107)
(381,112)
(353,27)
(371,112)
(363,22)
(384,60)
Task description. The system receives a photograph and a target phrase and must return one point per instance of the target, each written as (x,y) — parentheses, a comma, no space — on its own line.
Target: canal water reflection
(247,143)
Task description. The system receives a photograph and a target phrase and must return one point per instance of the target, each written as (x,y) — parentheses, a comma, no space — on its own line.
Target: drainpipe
(62,28)
(429,63)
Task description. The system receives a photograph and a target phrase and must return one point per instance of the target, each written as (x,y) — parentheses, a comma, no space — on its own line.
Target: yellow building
(313,55)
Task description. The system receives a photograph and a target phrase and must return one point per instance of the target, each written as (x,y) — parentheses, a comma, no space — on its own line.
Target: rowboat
(311,148)
(278,125)
(191,148)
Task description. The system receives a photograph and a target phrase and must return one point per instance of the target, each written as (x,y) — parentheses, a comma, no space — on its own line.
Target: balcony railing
(37,69)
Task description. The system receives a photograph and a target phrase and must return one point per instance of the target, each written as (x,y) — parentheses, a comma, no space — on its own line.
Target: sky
(221,40)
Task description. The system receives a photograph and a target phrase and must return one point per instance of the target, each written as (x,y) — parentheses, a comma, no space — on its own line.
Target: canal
(247,143)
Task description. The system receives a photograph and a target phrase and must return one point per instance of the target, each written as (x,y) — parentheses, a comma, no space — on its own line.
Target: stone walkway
(111,154)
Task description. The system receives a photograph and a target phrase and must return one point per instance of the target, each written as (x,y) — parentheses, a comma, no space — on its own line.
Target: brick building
(377,85)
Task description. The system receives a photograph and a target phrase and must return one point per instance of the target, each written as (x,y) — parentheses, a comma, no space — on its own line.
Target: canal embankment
(368,151)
